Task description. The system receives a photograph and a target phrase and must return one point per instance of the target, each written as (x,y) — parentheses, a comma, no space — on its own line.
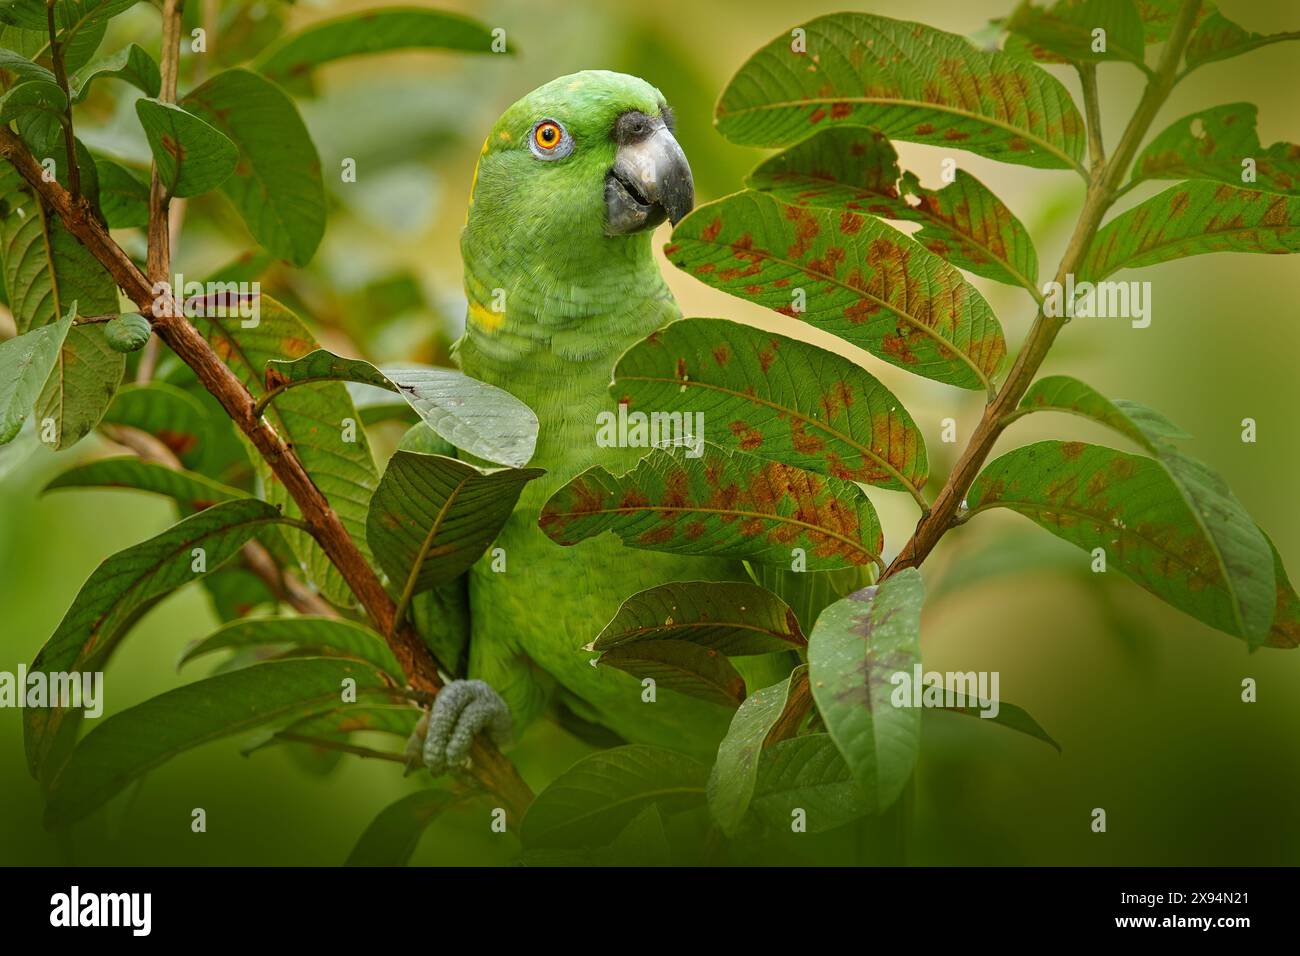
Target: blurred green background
(1144,701)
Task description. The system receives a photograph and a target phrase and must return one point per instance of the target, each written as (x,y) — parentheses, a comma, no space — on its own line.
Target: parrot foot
(443,737)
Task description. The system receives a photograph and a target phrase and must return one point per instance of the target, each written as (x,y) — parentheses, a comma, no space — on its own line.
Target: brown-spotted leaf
(1063,31)
(1170,525)
(691,669)
(1191,219)
(852,275)
(911,82)
(1218,38)
(722,503)
(855,654)
(856,169)
(1214,144)
(777,398)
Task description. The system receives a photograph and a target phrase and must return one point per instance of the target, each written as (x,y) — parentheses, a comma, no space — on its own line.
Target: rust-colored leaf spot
(841,109)
(817,116)
(178,442)
(721,355)
(1072,449)
(710,232)
(748,436)
(851,223)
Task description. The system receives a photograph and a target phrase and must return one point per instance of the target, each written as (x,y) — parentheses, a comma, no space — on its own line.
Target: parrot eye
(550,140)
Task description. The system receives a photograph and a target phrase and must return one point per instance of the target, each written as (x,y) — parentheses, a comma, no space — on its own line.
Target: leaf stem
(1102,188)
(1092,114)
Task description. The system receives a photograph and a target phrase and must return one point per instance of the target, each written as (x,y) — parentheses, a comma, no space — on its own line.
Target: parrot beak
(650,180)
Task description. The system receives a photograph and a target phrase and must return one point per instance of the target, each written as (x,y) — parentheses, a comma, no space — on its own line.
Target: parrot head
(587,155)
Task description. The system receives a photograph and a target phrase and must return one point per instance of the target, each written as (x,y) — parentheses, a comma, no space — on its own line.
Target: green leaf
(432,517)
(25,363)
(1191,219)
(480,419)
(38,103)
(1158,17)
(807,773)
(1009,716)
(372,31)
(317,635)
(809,592)
(1066,30)
(114,597)
(777,398)
(82,384)
(863,281)
(123,197)
(46,271)
(311,420)
(392,837)
(77,48)
(191,156)
(731,617)
(1218,38)
(1171,526)
(855,650)
(847,168)
(1061,393)
(592,801)
(1285,630)
(1213,144)
(190,489)
(23,67)
(340,723)
(168,413)
(687,668)
(123,747)
(69,15)
(763,718)
(723,503)
(277,185)
(909,81)
(131,63)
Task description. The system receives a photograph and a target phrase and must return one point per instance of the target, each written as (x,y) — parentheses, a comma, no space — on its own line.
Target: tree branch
(490,768)
(1102,189)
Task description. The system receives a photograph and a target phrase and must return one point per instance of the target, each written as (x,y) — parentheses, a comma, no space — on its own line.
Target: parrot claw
(443,737)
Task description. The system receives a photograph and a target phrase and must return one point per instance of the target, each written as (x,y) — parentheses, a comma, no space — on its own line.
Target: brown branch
(490,768)
(1103,186)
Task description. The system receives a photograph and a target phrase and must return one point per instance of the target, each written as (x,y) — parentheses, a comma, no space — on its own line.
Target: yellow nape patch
(484,318)
(504,136)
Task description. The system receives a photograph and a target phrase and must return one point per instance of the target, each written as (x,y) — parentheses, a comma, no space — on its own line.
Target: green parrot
(561,280)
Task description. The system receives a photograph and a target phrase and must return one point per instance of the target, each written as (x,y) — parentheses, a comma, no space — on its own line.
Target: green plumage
(553,302)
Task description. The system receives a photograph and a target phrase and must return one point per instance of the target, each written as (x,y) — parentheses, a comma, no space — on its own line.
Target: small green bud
(127,333)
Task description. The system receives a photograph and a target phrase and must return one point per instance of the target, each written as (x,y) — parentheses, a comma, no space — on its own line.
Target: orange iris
(547,135)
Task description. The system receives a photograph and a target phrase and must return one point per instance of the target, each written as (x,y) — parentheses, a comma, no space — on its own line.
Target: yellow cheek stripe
(473,183)
(485,319)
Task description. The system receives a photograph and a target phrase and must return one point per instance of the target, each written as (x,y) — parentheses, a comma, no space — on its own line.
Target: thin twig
(1092,115)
